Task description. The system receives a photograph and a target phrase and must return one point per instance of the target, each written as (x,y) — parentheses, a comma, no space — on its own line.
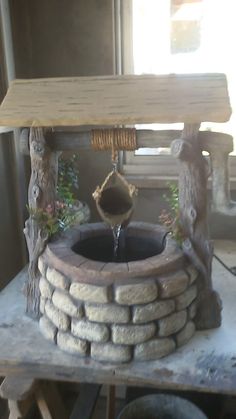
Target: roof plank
(116,100)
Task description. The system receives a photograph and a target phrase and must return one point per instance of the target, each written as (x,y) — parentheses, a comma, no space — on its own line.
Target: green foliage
(171,219)
(53,221)
(173,197)
(62,214)
(68,179)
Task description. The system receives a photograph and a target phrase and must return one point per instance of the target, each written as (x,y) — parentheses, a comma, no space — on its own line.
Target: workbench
(207,363)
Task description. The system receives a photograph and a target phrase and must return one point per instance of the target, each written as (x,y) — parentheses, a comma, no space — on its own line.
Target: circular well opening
(131,248)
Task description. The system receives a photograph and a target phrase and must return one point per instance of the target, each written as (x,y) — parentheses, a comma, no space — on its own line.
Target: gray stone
(110,353)
(132,334)
(46,289)
(172,324)
(57,279)
(185,299)
(63,301)
(42,304)
(107,313)
(192,310)
(42,267)
(152,311)
(60,319)
(69,343)
(193,273)
(154,349)
(90,293)
(185,334)
(174,284)
(136,293)
(92,332)
(47,328)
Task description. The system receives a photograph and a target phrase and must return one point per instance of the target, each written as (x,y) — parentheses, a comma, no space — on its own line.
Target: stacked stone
(141,319)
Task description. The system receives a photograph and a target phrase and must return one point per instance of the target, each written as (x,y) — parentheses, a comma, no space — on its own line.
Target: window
(176,36)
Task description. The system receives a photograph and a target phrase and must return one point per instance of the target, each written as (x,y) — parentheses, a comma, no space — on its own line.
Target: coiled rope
(114,139)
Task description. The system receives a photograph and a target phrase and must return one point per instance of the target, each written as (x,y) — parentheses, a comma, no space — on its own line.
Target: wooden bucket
(115,199)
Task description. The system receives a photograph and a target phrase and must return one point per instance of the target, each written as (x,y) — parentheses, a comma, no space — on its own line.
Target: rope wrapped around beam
(114,139)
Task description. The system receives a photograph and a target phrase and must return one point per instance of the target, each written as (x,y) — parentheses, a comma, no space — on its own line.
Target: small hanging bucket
(115,199)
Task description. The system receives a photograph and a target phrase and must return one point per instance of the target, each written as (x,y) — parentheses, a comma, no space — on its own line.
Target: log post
(193,208)
(41,193)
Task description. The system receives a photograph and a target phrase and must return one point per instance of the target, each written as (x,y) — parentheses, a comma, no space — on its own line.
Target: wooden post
(42,192)
(111,401)
(193,221)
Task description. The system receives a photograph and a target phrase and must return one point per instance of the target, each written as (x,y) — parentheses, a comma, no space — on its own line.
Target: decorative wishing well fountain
(147,296)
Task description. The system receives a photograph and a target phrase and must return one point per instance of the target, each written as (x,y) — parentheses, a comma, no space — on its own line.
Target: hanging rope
(114,139)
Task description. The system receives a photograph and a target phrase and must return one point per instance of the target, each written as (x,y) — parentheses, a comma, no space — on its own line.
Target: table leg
(111,399)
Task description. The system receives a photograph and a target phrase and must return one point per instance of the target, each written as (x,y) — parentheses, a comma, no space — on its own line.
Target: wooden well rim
(77,268)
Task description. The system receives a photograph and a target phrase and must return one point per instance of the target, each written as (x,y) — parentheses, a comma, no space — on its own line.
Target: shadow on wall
(10,243)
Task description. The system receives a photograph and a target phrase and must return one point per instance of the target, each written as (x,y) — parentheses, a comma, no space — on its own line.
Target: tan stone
(132,334)
(154,349)
(192,310)
(110,353)
(42,267)
(185,299)
(47,328)
(69,343)
(42,304)
(174,284)
(152,311)
(57,279)
(60,319)
(172,324)
(63,302)
(90,293)
(136,293)
(185,334)
(93,332)
(46,289)
(193,273)
(107,313)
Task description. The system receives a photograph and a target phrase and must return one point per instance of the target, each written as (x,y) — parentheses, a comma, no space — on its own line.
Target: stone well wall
(118,317)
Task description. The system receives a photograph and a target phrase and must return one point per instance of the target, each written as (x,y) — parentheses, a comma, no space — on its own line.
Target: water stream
(116,231)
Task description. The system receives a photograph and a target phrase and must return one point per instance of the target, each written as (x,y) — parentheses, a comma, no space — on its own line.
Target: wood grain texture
(72,140)
(193,218)
(113,100)
(42,192)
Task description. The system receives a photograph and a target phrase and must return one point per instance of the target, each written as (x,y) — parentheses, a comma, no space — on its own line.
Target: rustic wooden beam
(78,140)
(193,215)
(218,144)
(42,192)
(116,100)
(111,402)
(49,401)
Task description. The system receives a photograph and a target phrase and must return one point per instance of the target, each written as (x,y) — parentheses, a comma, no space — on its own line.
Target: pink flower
(49,209)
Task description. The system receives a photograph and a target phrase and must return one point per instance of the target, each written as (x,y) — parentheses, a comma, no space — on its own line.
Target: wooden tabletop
(115,100)
(207,363)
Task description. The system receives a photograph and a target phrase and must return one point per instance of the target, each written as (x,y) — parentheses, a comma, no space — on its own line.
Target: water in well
(130,248)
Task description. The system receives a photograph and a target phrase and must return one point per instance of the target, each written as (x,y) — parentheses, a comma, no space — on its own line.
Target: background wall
(11,254)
